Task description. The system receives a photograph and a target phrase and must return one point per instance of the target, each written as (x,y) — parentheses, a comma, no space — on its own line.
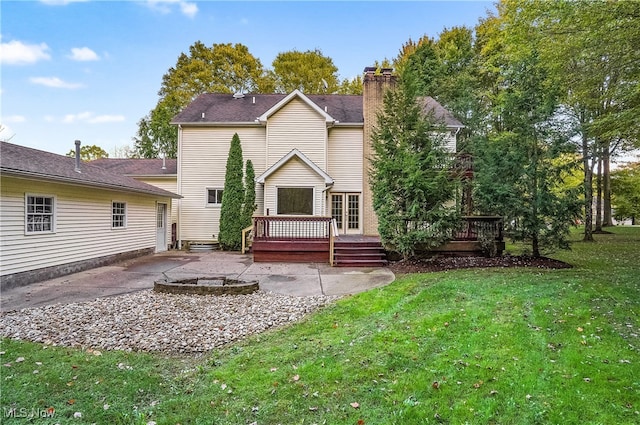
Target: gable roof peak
(328,180)
(297,94)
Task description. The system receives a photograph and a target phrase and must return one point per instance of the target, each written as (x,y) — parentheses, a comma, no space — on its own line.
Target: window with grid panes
(118,214)
(39,214)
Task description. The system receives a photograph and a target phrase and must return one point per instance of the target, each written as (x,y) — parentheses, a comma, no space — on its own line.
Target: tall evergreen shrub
(249,194)
(412,184)
(231,217)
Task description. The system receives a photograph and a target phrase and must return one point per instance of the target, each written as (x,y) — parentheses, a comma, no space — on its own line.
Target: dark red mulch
(442,263)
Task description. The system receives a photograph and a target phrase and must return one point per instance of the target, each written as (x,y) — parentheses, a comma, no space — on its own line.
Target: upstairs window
(39,217)
(118,215)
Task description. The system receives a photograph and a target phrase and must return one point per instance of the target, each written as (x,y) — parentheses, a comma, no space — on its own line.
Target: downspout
(325,200)
(179,187)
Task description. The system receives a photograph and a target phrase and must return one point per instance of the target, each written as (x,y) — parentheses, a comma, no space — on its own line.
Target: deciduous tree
(590,48)
(221,68)
(518,167)
(310,72)
(625,185)
(89,153)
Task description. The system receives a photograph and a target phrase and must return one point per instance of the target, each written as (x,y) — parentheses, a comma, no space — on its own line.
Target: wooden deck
(313,239)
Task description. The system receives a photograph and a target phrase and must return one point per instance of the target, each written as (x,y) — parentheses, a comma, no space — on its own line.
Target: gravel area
(154,322)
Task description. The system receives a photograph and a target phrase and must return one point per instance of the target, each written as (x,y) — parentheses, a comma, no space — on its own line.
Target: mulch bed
(442,263)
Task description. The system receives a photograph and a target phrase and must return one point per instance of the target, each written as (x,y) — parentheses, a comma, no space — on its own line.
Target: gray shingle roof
(33,163)
(138,167)
(224,108)
(432,106)
(219,108)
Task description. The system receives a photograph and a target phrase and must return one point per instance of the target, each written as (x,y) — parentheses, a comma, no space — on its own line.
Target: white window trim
(53,214)
(313,208)
(206,197)
(126,215)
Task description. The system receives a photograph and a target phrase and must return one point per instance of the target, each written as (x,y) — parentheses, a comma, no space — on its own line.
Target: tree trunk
(599,193)
(588,191)
(607,220)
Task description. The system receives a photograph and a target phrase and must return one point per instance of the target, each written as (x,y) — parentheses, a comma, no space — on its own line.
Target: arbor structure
(411,180)
(233,196)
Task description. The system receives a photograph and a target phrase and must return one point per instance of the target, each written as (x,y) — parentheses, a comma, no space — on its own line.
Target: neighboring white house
(60,216)
(310,154)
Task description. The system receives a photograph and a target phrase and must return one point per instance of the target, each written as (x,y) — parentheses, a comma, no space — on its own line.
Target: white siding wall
(82,225)
(345,159)
(170,184)
(202,163)
(298,126)
(294,173)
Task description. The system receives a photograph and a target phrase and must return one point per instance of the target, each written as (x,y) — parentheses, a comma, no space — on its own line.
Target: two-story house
(310,154)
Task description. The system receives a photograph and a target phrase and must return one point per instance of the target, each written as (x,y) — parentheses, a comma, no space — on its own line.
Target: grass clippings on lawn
(514,345)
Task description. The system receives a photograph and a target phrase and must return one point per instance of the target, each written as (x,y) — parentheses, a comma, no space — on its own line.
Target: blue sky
(89,70)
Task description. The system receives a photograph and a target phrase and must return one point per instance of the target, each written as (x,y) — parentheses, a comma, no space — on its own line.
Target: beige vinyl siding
(345,159)
(450,142)
(82,225)
(297,125)
(170,184)
(202,164)
(294,173)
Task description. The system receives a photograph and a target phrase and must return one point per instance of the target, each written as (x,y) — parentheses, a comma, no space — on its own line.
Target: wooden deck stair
(358,251)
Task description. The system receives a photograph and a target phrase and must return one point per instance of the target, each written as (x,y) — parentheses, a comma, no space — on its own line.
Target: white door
(345,209)
(161,228)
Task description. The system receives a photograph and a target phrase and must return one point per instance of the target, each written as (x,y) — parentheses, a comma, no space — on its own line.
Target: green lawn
(478,346)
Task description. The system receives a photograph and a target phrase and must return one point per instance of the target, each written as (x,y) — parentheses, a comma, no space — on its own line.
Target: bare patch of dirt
(442,263)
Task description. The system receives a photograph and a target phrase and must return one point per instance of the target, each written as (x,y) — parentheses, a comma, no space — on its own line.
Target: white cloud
(101,119)
(14,118)
(61,2)
(90,118)
(71,118)
(187,8)
(55,82)
(83,54)
(244,21)
(19,53)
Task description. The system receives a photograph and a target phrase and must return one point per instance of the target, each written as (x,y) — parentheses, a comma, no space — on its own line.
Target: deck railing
(267,228)
(278,228)
(480,228)
(471,228)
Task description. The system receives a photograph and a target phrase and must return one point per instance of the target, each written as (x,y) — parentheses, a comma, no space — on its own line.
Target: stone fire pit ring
(206,285)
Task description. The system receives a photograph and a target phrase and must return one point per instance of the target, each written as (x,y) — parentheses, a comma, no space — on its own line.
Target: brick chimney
(373,91)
